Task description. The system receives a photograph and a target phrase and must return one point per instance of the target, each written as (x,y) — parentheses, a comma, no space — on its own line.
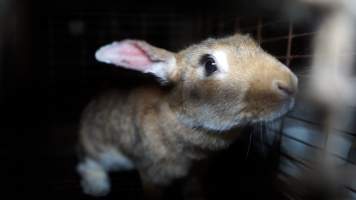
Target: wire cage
(270,161)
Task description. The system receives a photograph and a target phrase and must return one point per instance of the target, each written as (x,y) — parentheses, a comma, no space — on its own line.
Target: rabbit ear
(138,55)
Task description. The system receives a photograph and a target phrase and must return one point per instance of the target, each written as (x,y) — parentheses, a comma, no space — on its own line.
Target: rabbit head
(216,84)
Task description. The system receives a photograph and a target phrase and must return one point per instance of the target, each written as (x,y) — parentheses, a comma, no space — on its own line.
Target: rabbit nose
(287,87)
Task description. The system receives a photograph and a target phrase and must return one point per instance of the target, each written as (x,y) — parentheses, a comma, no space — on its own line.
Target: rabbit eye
(209,63)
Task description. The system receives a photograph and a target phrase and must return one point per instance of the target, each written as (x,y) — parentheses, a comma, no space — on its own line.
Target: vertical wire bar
(289,45)
(236,24)
(50,47)
(259,31)
(144,27)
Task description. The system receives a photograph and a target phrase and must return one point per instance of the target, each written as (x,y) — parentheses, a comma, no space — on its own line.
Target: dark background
(49,74)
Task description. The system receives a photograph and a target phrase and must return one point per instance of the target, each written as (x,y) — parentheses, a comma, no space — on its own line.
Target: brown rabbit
(216,88)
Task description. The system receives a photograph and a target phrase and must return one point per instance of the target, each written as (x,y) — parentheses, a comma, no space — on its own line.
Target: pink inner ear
(134,56)
(127,54)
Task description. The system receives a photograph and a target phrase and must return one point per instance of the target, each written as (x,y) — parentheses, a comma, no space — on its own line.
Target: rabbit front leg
(94,178)
(94,172)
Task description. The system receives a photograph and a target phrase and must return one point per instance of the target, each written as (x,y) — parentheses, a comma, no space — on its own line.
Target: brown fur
(163,131)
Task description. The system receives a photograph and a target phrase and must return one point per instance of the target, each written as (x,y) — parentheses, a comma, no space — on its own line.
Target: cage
(52,45)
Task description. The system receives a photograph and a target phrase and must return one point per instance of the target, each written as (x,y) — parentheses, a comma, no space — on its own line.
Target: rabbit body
(141,126)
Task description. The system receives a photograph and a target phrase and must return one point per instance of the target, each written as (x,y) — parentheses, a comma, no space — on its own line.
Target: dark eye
(210,65)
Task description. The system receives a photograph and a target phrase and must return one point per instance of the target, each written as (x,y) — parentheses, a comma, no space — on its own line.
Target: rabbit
(210,91)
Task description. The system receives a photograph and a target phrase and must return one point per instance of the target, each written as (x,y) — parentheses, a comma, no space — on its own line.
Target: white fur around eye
(221,60)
